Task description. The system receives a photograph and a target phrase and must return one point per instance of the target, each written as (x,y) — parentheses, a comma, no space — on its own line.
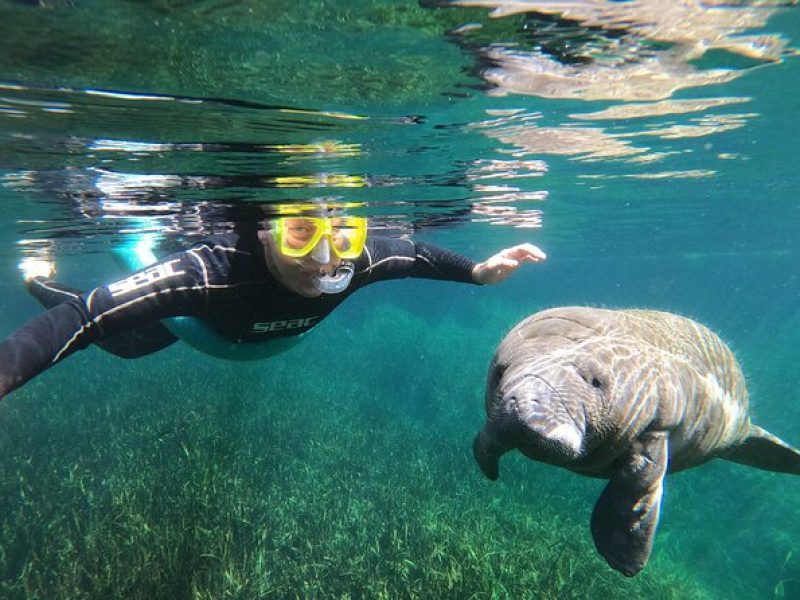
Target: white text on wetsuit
(144,278)
(283,325)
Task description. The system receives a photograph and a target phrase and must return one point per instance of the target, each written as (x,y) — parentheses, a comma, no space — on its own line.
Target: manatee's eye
(593,380)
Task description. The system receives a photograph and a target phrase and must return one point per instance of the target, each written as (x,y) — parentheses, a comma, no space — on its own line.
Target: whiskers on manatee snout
(624,395)
(550,427)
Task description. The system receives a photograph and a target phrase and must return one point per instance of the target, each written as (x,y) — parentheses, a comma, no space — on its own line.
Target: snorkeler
(248,296)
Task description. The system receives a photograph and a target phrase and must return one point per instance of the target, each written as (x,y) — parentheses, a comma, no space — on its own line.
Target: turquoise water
(654,165)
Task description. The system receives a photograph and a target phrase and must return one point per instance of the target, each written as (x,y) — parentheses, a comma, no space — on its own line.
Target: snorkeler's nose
(322,252)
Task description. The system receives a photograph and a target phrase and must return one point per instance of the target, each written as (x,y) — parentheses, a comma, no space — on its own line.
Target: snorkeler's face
(298,274)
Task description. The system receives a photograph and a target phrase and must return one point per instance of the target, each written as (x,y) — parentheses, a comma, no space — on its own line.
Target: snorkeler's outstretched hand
(500,266)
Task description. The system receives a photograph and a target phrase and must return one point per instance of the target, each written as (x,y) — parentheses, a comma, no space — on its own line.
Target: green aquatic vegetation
(190,478)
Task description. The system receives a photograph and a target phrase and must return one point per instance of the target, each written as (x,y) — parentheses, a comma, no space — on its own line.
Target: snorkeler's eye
(301,232)
(343,243)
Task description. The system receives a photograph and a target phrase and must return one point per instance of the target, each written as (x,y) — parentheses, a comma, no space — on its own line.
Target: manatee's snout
(528,413)
(548,429)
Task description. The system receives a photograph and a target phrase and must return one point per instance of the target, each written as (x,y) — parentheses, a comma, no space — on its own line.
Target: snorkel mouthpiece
(337,282)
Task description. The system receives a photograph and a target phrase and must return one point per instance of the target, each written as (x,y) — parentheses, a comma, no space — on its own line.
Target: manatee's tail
(765,451)
(487,454)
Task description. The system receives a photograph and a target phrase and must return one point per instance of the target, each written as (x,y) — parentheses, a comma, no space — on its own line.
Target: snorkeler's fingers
(505,261)
(526,251)
(501,262)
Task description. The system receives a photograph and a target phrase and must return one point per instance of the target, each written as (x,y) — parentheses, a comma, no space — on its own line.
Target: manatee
(627,396)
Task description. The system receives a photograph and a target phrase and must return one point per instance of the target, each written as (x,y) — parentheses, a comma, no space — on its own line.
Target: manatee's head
(543,397)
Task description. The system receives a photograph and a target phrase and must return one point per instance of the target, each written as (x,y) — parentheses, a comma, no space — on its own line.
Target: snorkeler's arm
(390,258)
(175,286)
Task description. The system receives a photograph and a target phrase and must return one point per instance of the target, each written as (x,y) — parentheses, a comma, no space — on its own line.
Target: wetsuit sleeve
(175,286)
(386,258)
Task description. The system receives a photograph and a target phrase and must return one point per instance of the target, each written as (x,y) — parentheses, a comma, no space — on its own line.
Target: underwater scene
(648,147)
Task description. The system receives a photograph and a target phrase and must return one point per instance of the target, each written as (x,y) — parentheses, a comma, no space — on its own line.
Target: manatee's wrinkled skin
(625,395)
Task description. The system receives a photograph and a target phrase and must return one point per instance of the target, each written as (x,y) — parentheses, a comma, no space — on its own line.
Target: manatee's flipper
(487,454)
(763,450)
(625,517)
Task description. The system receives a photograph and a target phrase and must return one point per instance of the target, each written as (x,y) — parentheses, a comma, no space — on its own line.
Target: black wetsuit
(225,282)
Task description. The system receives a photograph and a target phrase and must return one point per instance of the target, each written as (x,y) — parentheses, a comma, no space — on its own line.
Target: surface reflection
(696,26)
(635,55)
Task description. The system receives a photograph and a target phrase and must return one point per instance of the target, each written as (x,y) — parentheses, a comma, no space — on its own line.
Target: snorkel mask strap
(338,281)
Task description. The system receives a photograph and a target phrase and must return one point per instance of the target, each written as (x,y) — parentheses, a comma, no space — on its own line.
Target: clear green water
(317,474)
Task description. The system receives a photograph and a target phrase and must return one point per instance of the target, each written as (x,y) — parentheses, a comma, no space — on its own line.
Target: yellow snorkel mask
(299,236)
